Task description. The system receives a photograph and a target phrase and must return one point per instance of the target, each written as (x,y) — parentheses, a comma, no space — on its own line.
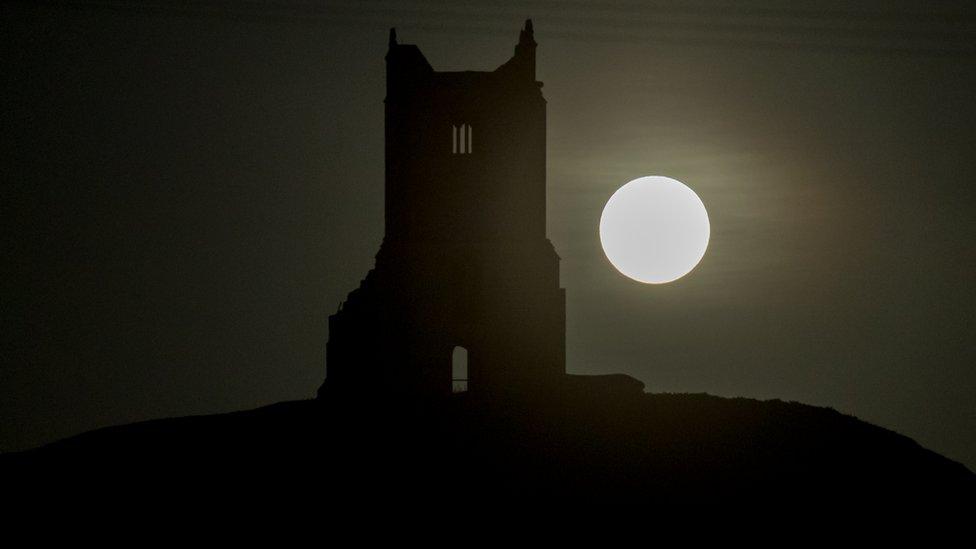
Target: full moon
(654,229)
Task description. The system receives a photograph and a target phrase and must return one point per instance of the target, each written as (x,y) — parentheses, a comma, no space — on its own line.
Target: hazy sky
(189,193)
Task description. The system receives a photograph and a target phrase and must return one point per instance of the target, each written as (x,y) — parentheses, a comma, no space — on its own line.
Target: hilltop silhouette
(603,441)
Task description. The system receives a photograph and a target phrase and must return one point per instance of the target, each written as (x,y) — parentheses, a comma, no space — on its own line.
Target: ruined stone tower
(465,261)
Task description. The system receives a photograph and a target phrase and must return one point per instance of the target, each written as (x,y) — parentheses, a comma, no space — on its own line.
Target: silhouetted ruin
(465,262)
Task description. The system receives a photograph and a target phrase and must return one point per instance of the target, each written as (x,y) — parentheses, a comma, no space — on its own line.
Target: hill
(608,446)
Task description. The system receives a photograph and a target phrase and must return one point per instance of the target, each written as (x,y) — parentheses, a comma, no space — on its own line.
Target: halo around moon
(654,229)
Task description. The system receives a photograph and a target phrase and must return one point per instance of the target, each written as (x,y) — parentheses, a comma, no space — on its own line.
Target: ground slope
(586,445)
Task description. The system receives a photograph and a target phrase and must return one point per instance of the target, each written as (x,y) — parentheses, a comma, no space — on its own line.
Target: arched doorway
(459,370)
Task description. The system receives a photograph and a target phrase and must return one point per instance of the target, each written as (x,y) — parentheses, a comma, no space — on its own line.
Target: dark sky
(188,193)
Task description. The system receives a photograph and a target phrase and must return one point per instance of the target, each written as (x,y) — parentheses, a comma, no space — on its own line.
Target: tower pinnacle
(527,34)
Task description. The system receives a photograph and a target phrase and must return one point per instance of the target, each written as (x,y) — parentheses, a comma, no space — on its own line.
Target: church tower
(465,262)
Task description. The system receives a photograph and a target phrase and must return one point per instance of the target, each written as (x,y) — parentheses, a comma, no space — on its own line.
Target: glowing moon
(654,229)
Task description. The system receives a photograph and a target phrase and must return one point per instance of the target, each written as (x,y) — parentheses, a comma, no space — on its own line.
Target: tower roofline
(522,60)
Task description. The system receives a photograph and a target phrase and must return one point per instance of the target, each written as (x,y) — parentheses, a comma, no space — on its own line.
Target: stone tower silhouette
(465,260)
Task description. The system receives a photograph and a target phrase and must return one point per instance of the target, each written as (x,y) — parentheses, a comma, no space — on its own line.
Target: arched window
(461,139)
(459,370)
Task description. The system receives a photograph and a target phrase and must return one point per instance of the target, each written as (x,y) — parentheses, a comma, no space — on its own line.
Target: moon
(654,229)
